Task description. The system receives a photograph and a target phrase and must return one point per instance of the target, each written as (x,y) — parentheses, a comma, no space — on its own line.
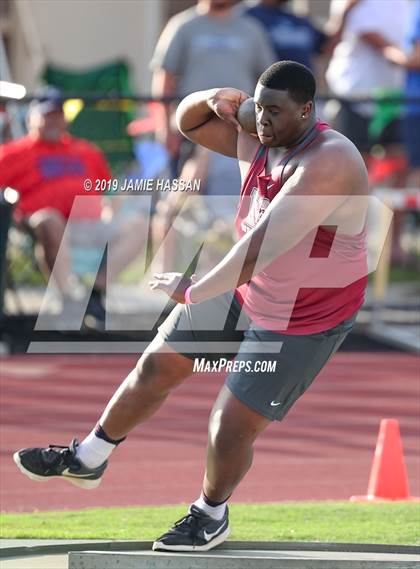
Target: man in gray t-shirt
(209,45)
(204,51)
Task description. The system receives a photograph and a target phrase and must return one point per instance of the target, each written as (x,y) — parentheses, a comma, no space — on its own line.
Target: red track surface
(322,450)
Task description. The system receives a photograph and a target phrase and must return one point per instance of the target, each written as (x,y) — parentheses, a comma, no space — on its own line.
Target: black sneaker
(42,464)
(195,532)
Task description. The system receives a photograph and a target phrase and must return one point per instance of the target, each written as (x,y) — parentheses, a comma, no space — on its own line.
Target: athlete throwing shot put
(287,291)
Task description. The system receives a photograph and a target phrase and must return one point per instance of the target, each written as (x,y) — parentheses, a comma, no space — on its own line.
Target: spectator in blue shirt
(294,37)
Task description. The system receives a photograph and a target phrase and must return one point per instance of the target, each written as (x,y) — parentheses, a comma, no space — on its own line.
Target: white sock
(93,451)
(215,512)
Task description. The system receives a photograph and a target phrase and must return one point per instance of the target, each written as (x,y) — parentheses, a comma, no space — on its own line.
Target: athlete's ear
(307,109)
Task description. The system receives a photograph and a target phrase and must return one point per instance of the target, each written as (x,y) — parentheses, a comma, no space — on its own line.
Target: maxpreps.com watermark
(132,185)
(203,365)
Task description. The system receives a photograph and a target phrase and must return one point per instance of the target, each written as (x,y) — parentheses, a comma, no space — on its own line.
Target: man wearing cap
(48,167)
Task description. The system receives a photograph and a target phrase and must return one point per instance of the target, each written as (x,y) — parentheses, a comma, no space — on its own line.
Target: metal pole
(8,199)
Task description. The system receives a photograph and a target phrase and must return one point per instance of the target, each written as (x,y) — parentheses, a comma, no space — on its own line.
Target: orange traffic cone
(388,477)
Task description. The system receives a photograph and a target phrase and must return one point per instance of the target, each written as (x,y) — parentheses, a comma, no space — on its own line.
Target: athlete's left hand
(174,284)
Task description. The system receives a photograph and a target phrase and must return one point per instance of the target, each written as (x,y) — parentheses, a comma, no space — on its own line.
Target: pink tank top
(291,295)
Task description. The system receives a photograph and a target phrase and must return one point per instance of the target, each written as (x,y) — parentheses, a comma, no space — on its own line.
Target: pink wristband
(187,295)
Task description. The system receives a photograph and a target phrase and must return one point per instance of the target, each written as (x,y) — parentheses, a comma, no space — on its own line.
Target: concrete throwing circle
(230,555)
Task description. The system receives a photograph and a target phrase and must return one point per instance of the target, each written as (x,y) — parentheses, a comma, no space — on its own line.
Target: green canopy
(104,122)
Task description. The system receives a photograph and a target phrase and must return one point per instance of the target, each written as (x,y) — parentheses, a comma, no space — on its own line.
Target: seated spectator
(48,168)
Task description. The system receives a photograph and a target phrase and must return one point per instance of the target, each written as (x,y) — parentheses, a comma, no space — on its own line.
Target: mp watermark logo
(287,262)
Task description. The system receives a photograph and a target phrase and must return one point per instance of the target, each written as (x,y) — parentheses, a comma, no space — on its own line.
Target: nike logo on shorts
(275,403)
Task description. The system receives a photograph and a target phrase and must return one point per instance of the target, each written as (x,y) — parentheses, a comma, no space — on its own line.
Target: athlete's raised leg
(159,370)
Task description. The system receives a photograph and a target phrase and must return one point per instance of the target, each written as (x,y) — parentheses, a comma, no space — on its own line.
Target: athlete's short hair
(290,76)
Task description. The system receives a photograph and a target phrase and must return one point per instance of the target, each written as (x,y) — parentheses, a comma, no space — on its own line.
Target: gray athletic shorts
(270,370)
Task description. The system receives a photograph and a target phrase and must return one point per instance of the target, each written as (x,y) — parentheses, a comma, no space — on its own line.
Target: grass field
(397,523)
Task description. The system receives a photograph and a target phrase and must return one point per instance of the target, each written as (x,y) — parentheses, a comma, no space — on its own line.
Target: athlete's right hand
(173,284)
(225,104)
